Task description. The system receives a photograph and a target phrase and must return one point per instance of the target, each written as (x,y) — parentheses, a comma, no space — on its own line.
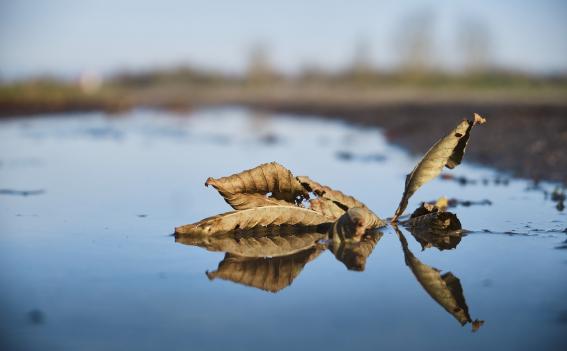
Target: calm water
(88,262)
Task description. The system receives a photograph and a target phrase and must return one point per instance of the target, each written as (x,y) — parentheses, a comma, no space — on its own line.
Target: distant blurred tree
(474,41)
(415,42)
(361,68)
(260,69)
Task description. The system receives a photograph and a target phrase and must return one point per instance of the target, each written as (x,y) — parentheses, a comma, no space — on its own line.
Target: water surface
(89,202)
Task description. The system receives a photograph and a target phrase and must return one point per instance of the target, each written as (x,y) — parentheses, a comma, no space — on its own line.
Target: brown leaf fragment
(447,152)
(431,226)
(353,224)
(253,217)
(248,189)
(259,241)
(326,207)
(242,201)
(445,289)
(269,274)
(355,253)
(341,200)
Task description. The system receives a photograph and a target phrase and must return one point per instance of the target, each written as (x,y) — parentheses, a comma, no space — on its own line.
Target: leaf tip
(211,275)
(476,324)
(209,181)
(478,119)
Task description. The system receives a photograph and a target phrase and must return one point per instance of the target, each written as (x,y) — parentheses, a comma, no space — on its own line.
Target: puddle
(92,257)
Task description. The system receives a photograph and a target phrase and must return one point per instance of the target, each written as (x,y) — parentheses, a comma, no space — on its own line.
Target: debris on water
(443,202)
(21,192)
(350,156)
(462,180)
(36,317)
(344,155)
(501,181)
(563,245)
(558,195)
(270,139)
(508,232)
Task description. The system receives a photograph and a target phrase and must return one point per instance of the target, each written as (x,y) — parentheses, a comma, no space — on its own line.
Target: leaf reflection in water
(445,288)
(270,257)
(432,226)
(266,273)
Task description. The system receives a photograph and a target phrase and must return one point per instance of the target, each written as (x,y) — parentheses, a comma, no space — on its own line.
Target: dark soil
(529,140)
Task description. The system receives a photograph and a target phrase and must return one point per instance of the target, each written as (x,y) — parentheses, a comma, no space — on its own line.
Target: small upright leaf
(447,152)
(254,217)
(248,189)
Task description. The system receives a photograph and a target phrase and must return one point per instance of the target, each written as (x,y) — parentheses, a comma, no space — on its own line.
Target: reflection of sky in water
(102,275)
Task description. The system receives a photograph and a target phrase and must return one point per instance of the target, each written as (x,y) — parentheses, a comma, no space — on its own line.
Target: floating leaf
(270,274)
(432,230)
(341,200)
(248,189)
(259,241)
(447,152)
(431,226)
(353,224)
(250,218)
(354,253)
(445,289)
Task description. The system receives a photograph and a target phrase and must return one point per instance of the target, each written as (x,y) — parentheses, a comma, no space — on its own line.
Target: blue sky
(69,36)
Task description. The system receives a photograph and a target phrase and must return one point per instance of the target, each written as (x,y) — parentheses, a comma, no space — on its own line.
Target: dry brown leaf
(259,241)
(254,217)
(431,226)
(436,222)
(326,207)
(248,189)
(338,198)
(242,201)
(447,152)
(270,274)
(442,203)
(441,230)
(353,224)
(445,289)
(354,254)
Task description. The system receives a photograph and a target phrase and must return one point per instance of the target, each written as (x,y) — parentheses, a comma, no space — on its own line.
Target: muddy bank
(529,140)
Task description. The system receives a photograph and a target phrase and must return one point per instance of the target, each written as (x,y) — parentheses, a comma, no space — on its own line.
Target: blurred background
(376,62)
